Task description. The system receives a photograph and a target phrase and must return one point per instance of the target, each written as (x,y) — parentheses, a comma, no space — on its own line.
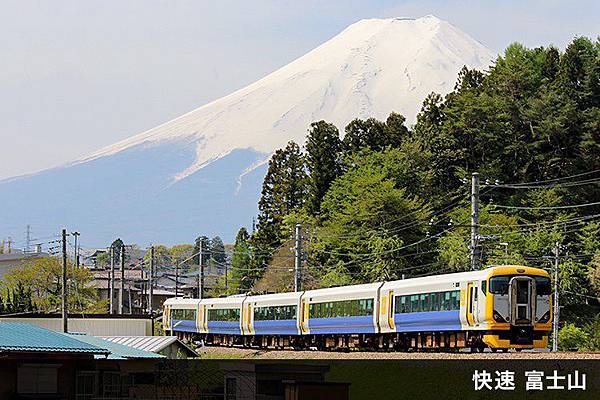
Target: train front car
(518,312)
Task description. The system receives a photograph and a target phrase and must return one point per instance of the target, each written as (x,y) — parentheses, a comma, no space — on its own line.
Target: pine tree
(217,250)
(283,190)
(117,245)
(323,147)
(206,253)
(242,275)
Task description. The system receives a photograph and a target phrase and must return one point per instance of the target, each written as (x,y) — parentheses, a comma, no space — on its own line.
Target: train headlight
(498,317)
(545,317)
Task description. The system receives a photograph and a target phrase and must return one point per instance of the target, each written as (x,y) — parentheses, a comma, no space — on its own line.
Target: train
(500,307)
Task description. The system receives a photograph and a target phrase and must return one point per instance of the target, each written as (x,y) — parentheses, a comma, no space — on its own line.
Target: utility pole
(64,282)
(111,278)
(298,259)
(176,278)
(129,309)
(151,281)
(475,249)
(201,269)
(76,257)
(122,288)
(556,306)
(28,240)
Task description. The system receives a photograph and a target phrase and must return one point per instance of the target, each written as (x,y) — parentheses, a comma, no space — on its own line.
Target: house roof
(117,350)
(22,337)
(149,343)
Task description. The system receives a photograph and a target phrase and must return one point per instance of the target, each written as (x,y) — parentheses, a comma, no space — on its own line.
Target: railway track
(253,354)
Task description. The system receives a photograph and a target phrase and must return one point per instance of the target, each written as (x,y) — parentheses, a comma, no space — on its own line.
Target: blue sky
(78,75)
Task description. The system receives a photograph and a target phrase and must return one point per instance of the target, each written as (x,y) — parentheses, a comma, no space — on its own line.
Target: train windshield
(499,285)
(542,286)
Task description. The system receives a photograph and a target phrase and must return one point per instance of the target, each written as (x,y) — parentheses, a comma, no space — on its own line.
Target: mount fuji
(201,173)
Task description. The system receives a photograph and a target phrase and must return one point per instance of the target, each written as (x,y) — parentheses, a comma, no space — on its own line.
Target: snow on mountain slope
(201,173)
(373,67)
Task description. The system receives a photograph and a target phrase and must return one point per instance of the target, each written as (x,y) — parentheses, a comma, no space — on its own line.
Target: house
(136,290)
(38,362)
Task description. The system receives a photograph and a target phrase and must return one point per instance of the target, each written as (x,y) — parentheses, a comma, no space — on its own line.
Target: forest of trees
(385,200)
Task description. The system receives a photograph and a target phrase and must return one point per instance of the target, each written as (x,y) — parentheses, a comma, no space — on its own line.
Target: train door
(472,303)
(522,300)
(249,319)
(303,316)
(204,318)
(391,311)
(167,318)
(200,318)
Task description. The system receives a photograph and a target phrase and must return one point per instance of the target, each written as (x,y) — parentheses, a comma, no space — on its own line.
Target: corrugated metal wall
(94,326)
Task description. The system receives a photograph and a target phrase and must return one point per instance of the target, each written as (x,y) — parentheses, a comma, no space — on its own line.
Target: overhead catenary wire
(548,207)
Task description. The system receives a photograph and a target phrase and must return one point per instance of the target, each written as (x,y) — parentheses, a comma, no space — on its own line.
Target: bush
(593,335)
(572,338)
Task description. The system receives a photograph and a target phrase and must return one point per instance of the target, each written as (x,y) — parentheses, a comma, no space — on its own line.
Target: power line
(547,180)
(548,208)
(385,251)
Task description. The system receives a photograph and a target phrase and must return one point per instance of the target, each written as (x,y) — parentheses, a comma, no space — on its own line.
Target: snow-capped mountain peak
(373,67)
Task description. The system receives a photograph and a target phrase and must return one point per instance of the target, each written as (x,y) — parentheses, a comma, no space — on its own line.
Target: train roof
(224,301)
(276,296)
(181,301)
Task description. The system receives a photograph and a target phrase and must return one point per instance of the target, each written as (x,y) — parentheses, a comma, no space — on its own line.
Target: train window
(455,303)
(369,309)
(484,287)
(183,314)
(414,303)
(224,314)
(346,308)
(446,301)
(278,312)
(437,301)
(424,302)
(542,286)
(499,284)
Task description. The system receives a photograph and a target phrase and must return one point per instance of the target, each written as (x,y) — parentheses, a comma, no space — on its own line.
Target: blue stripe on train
(184,325)
(428,321)
(363,324)
(276,327)
(224,327)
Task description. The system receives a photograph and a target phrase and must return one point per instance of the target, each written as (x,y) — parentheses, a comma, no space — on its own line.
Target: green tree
(323,147)
(358,230)
(206,254)
(37,285)
(241,275)
(162,257)
(117,247)
(217,250)
(374,134)
(182,253)
(572,338)
(283,190)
